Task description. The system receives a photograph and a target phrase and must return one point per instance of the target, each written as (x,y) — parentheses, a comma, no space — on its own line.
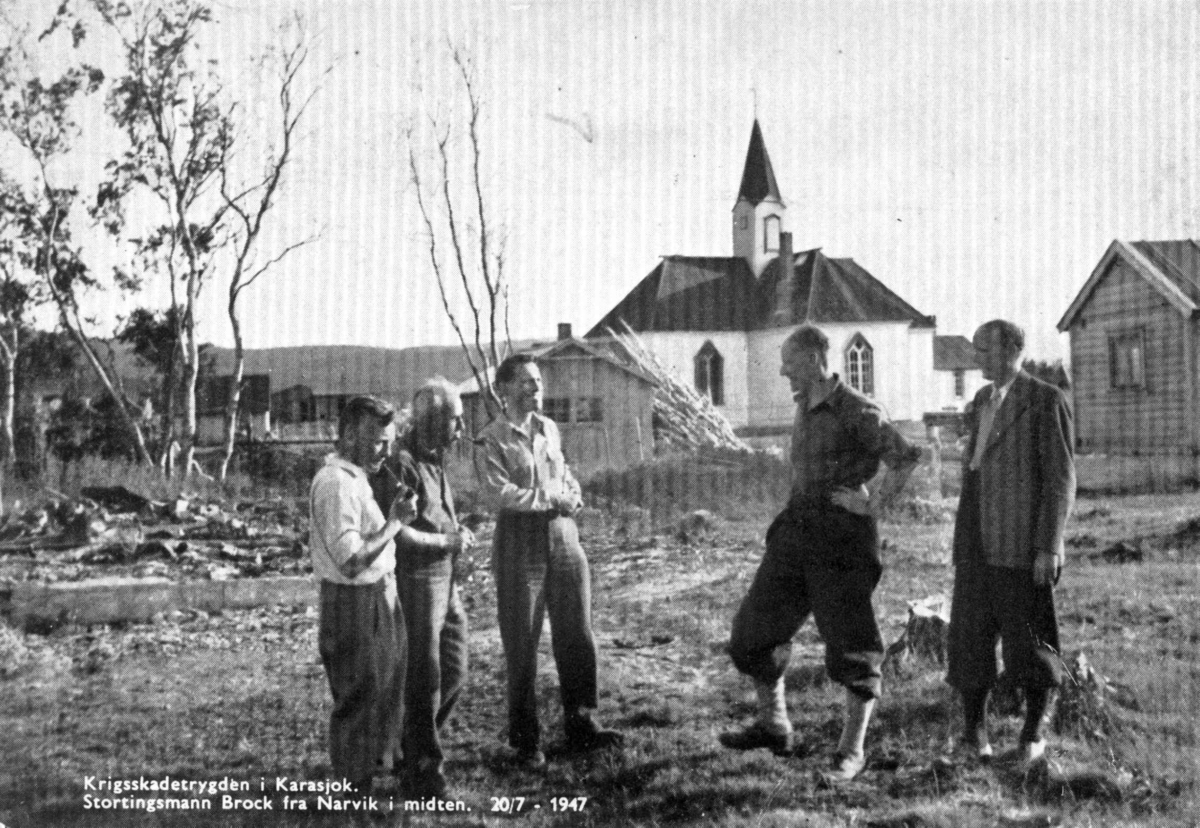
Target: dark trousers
(362,643)
(437,657)
(821,560)
(993,602)
(540,568)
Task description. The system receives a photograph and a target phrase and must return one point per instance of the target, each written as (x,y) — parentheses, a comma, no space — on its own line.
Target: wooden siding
(624,436)
(1154,417)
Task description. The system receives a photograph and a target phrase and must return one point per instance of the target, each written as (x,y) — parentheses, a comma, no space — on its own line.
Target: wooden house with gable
(1134,357)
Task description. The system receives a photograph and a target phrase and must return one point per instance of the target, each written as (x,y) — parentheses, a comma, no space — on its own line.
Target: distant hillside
(392,373)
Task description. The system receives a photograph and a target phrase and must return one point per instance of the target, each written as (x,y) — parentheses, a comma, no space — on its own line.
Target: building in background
(957,375)
(720,320)
(1134,350)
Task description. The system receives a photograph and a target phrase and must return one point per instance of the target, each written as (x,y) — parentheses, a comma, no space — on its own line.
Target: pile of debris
(684,418)
(129,534)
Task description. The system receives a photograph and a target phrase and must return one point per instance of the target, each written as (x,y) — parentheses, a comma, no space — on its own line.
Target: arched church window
(771,233)
(710,373)
(860,365)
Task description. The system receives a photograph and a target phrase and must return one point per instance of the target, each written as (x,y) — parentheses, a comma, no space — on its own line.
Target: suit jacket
(1026,477)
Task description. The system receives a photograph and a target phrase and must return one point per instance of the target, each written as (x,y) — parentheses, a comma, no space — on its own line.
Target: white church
(721,320)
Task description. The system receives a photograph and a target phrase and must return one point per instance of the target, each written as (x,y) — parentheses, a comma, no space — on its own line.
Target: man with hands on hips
(539,565)
(822,554)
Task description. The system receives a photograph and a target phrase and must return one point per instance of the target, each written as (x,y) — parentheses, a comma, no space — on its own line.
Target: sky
(977,157)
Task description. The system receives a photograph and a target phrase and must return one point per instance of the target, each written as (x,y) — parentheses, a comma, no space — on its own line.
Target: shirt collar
(535,423)
(836,386)
(335,459)
(1000,391)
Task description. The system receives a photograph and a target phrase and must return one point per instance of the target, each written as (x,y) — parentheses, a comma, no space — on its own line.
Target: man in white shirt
(539,565)
(361,634)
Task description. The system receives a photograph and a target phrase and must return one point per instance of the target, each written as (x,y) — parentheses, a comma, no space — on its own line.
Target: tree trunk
(139,442)
(235,388)
(191,371)
(7,413)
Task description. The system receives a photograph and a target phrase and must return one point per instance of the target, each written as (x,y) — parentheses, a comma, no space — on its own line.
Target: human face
(523,393)
(803,368)
(442,426)
(997,362)
(370,443)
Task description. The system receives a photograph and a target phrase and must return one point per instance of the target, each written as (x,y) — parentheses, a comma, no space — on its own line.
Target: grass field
(243,696)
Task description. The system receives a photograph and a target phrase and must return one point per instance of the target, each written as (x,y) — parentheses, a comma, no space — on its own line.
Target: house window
(771,233)
(557,409)
(1127,359)
(860,365)
(710,373)
(960,383)
(589,410)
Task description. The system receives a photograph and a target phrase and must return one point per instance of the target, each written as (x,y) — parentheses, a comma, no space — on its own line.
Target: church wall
(904,376)
(677,351)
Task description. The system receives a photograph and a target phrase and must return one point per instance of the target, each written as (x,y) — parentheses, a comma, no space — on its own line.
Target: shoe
(1030,753)
(974,749)
(584,734)
(427,785)
(846,766)
(528,759)
(757,736)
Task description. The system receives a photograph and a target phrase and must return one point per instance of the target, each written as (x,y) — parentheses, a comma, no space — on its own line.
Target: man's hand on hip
(852,500)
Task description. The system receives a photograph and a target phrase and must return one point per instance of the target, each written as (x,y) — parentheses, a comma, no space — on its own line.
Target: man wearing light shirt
(361,635)
(539,566)
(1017,491)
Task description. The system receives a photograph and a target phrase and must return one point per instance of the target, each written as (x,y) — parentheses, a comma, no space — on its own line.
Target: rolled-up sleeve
(883,440)
(337,516)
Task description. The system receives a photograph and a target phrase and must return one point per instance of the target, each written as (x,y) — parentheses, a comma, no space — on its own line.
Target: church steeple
(758,215)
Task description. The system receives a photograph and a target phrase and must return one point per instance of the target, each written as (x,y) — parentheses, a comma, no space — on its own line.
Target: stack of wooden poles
(684,418)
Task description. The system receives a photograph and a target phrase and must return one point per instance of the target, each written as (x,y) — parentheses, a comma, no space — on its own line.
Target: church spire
(759,215)
(758,178)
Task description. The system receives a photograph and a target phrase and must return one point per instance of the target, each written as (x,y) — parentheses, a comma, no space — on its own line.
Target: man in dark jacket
(1017,491)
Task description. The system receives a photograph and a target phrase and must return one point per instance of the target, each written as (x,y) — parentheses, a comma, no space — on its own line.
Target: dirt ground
(242,698)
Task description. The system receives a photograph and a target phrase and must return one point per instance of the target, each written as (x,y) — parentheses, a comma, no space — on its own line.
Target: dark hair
(808,338)
(508,368)
(1011,336)
(363,407)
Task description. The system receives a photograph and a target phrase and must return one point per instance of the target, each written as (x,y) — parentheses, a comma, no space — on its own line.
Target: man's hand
(566,504)
(460,540)
(853,500)
(404,506)
(1046,569)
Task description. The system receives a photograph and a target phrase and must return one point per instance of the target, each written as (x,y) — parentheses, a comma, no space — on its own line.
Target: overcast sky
(978,158)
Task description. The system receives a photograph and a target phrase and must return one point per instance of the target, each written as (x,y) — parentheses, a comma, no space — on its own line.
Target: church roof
(758,178)
(690,293)
(953,352)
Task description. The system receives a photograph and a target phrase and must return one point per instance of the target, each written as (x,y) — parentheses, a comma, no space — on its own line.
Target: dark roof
(953,353)
(1170,267)
(831,290)
(758,178)
(687,293)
